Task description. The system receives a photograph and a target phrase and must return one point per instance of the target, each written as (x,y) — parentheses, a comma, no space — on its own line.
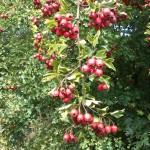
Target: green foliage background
(29,117)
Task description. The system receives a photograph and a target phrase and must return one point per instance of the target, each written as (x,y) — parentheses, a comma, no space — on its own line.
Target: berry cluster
(4,16)
(64,93)
(98,127)
(70,138)
(84,2)
(101,19)
(93,66)
(47,62)
(35,21)
(102,87)
(50,7)
(82,119)
(38,39)
(101,130)
(64,27)
(37,3)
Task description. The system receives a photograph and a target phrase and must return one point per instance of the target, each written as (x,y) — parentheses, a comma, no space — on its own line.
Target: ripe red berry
(68,92)
(100,126)
(108,129)
(66,100)
(91,62)
(85,68)
(69,17)
(67,138)
(75,30)
(106,11)
(98,72)
(74,140)
(94,125)
(88,118)
(71,86)
(74,113)
(58,17)
(99,63)
(80,118)
(114,128)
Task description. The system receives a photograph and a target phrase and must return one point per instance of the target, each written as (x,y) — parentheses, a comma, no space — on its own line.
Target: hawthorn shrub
(74,74)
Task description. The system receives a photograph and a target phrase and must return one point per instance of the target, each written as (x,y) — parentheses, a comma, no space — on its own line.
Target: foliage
(31,119)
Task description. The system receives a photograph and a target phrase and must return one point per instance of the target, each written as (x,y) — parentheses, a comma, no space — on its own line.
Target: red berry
(80,118)
(58,17)
(74,140)
(71,86)
(98,72)
(100,126)
(68,92)
(94,125)
(91,61)
(66,100)
(85,68)
(88,118)
(108,129)
(67,138)
(74,113)
(69,17)
(99,63)
(114,128)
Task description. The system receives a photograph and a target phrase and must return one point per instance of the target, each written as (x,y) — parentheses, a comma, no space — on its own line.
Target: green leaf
(101,54)
(90,4)
(64,69)
(50,23)
(49,77)
(117,113)
(109,64)
(88,96)
(83,56)
(58,48)
(64,107)
(95,40)
(75,76)
(91,77)
(140,112)
(103,110)
(90,102)
(64,116)
(148,117)
(64,5)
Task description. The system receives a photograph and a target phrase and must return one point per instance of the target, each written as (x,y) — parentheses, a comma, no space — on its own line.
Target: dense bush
(37,58)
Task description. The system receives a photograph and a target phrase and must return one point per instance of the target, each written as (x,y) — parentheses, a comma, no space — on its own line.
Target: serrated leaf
(117,113)
(108,63)
(49,77)
(101,54)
